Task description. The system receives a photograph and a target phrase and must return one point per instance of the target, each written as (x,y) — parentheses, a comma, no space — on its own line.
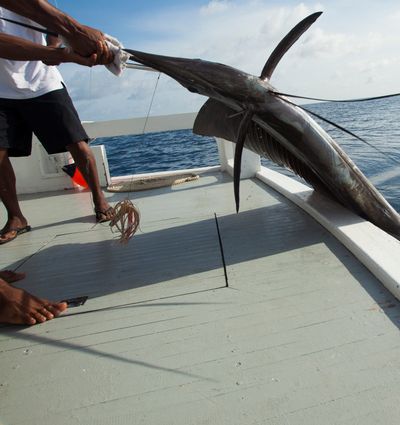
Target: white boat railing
(43,173)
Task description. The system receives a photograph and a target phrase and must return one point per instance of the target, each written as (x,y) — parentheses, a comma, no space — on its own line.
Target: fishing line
(363,99)
(343,129)
(151,103)
(32,27)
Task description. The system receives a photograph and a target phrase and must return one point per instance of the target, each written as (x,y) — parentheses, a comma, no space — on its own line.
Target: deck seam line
(221,247)
(35,253)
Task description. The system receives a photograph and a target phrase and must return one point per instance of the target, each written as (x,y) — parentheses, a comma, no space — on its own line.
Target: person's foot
(19,307)
(10,277)
(14,227)
(104,212)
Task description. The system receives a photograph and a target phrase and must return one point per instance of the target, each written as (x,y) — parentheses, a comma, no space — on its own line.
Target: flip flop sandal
(101,216)
(18,231)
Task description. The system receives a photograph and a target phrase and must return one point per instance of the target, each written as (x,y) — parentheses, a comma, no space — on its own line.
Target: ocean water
(378,122)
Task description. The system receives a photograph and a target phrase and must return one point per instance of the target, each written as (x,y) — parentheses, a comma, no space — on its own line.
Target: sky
(351,51)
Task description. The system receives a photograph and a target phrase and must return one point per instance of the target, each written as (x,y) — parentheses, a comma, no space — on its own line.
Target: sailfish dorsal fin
(286,43)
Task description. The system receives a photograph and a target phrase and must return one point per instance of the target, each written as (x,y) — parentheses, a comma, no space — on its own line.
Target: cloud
(215,7)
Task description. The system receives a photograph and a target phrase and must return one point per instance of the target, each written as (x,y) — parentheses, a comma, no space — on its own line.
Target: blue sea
(377,121)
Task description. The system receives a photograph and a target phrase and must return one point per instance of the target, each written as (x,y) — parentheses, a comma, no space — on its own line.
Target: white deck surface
(303,335)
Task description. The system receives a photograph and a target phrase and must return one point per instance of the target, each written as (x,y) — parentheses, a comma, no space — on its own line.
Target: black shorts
(51,117)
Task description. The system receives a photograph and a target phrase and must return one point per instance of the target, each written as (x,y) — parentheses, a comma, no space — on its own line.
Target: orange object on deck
(76,176)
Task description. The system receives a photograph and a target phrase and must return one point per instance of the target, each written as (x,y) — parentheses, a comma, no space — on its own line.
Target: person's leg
(84,159)
(8,195)
(19,307)
(55,121)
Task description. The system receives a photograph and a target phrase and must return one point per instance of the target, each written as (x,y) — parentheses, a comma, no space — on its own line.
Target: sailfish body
(246,110)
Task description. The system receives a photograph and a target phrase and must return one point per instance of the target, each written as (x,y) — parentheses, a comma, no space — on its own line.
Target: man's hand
(86,41)
(68,55)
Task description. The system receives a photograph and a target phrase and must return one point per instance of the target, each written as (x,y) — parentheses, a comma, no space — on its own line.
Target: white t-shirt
(25,79)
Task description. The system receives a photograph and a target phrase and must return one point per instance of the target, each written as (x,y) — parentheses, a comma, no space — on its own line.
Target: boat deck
(303,334)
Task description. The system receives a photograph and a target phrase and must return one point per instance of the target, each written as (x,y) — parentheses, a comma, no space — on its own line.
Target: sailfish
(249,111)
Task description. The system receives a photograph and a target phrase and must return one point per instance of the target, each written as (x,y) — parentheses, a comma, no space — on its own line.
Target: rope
(151,182)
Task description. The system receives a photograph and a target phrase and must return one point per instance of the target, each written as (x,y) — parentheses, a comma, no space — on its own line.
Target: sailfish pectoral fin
(213,120)
(242,133)
(286,43)
(219,120)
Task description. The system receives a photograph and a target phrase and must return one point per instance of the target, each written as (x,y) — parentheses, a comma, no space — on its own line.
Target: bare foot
(10,277)
(19,307)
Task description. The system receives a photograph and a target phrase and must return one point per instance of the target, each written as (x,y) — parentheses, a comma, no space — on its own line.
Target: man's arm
(82,39)
(16,48)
